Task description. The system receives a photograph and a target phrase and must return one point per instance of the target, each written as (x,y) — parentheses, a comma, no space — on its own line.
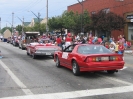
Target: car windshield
(93,49)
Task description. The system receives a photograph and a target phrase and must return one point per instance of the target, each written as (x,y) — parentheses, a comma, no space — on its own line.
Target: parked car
(36,49)
(86,57)
(27,38)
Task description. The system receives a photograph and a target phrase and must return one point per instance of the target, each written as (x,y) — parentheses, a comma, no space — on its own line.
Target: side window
(69,49)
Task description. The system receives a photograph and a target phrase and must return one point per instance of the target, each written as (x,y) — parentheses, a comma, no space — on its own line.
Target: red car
(86,57)
(36,49)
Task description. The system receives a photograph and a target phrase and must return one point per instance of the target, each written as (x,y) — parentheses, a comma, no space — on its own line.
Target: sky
(23,8)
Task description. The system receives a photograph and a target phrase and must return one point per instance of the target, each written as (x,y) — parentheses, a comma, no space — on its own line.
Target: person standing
(68,40)
(120,48)
(116,47)
(58,41)
(121,39)
(112,48)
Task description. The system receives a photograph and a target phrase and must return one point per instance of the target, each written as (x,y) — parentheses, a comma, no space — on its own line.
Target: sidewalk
(129,50)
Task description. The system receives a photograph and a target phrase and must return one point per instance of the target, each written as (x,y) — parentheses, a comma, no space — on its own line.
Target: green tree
(26,29)
(71,21)
(56,23)
(107,22)
(37,27)
(5,28)
(19,29)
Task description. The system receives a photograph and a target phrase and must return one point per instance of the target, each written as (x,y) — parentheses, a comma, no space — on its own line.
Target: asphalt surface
(22,77)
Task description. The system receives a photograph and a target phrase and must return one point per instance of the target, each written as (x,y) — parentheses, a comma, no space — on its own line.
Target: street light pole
(47,16)
(0,24)
(12,21)
(81,3)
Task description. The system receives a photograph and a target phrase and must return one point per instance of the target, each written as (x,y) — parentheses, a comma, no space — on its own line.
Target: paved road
(22,77)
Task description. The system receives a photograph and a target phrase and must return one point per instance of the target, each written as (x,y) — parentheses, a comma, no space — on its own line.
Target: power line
(31,5)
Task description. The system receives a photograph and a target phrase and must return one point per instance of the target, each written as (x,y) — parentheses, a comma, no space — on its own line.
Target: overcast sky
(22,8)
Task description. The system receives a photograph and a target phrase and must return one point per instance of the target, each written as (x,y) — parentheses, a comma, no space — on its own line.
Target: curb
(128,52)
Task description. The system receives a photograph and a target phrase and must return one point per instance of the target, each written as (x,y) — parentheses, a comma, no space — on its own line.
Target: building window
(93,12)
(107,10)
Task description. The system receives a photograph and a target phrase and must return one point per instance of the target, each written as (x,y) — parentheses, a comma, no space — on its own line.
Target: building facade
(123,8)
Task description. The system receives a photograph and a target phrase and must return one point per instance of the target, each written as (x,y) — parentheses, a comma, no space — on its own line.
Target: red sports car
(86,57)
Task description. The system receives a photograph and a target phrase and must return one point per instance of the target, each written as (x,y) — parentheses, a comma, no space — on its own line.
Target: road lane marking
(128,64)
(16,80)
(77,94)
(123,68)
(116,80)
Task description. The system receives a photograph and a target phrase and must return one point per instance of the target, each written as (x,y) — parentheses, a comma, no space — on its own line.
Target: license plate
(104,58)
(48,53)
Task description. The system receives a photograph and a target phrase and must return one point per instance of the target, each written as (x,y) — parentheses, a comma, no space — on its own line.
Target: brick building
(120,7)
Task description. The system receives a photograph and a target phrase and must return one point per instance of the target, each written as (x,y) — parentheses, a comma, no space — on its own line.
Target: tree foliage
(71,21)
(56,23)
(37,27)
(5,28)
(19,28)
(102,21)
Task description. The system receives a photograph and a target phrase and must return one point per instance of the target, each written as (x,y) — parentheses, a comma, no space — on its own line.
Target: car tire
(110,71)
(28,54)
(34,56)
(75,68)
(53,56)
(57,62)
(22,48)
(19,47)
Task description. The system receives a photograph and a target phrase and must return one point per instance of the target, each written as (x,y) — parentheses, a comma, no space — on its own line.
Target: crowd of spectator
(116,46)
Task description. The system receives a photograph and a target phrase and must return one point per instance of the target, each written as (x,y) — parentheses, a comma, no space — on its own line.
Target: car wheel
(53,56)
(28,54)
(19,47)
(22,48)
(34,56)
(57,62)
(75,68)
(110,71)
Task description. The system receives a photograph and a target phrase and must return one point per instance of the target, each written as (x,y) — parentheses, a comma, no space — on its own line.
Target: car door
(66,56)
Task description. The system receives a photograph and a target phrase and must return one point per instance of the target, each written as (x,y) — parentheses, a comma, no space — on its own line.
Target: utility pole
(47,17)
(23,26)
(0,24)
(81,3)
(39,21)
(12,21)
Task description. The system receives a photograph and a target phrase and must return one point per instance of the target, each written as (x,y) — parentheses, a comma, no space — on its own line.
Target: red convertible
(36,49)
(86,57)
